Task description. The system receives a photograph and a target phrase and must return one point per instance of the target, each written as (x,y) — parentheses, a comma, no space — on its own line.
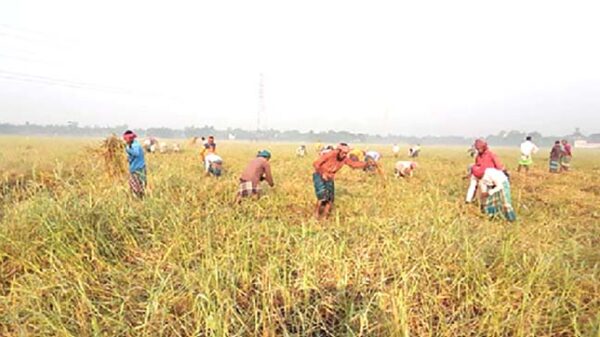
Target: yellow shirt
(358,154)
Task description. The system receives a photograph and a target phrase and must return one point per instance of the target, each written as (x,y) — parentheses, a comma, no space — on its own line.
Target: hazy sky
(409,67)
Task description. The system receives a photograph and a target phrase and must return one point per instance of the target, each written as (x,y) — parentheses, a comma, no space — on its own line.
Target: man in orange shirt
(325,169)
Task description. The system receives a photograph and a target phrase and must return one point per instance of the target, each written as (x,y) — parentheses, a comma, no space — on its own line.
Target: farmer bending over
(325,169)
(257,170)
(214,164)
(404,168)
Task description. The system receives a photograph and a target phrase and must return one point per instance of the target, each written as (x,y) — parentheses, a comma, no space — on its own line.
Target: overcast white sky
(409,67)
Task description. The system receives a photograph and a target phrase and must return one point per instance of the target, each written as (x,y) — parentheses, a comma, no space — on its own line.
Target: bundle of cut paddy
(113,154)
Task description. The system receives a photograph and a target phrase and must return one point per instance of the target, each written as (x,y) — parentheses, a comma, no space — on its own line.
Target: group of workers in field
(487,174)
(559,160)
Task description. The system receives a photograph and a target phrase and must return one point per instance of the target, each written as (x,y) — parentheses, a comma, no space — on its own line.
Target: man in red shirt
(485,157)
(323,178)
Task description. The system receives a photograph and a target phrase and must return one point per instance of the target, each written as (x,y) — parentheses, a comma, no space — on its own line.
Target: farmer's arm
(133,151)
(268,175)
(497,163)
(355,164)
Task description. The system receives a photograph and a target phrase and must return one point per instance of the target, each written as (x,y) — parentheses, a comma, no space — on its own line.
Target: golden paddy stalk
(81,257)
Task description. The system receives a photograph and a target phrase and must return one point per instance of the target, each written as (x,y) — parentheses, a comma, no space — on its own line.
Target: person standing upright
(565,160)
(137,164)
(556,155)
(528,148)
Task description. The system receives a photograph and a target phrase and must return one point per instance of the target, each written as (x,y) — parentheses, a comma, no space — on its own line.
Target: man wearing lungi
(326,167)
(257,170)
(528,148)
(137,164)
(495,193)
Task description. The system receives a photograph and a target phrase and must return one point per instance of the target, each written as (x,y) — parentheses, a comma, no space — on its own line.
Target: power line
(68,83)
(33,36)
(261,101)
(15,76)
(20,58)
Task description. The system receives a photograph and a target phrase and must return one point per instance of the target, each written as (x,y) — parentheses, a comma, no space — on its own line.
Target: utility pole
(261,103)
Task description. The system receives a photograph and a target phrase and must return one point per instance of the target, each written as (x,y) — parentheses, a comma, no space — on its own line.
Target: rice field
(80,257)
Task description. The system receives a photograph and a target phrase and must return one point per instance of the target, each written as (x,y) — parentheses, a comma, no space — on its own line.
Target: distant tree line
(74,129)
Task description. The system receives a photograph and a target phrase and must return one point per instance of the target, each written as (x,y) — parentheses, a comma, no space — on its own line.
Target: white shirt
(373,154)
(403,165)
(213,158)
(492,177)
(528,148)
(396,148)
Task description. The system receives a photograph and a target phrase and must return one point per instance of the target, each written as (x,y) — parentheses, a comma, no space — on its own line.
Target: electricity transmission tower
(261,104)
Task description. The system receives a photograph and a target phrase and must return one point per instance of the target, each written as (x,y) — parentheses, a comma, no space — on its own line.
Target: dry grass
(81,257)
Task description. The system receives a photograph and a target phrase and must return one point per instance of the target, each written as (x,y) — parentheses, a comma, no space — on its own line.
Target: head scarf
(343,147)
(264,153)
(481,145)
(129,136)
(478,171)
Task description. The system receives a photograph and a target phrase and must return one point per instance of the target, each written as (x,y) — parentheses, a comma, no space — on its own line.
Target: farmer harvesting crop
(414,151)
(319,147)
(326,150)
(495,192)
(565,160)
(356,155)
(556,155)
(323,178)
(301,151)
(485,159)
(528,148)
(137,164)
(209,147)
(257,170)
(404,168)
(214,164)
(372,159)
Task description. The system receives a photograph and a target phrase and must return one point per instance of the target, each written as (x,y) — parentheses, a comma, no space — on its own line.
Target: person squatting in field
(404,168)
(301,151)
(372,159)
(257,170)
(494,192)
(137,164)
(214,164)
(528,149)
(485,159)
(326,166)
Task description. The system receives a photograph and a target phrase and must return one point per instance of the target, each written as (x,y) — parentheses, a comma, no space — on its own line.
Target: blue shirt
(135,156)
